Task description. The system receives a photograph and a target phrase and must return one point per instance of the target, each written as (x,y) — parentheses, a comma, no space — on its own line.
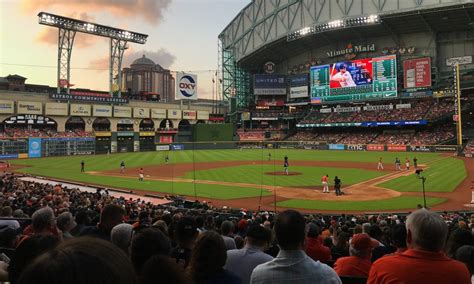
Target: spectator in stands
(110,216)
(42,223)
(227,230)
(121,236)
(146,243)
(28,249)
(376,234)
(341,248)
(424,261)
(458,238)
(465,254)
(239,242)
(399,238)
(314,247)
(82,260)
(186,234)
(7,212)
(243,261)
(161,269)
(292,263)
(358,263)
(66,223)
(208,259)
(82,219)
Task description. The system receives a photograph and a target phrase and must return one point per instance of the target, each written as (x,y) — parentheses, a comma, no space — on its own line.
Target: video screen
(355,80)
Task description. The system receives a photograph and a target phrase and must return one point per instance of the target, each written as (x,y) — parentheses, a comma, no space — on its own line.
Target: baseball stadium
(320,141)
(378,95)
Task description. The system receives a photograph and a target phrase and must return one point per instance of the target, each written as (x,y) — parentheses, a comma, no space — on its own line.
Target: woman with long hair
(208,259)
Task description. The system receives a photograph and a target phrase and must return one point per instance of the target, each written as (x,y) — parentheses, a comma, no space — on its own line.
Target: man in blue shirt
(243,261)
(292,265)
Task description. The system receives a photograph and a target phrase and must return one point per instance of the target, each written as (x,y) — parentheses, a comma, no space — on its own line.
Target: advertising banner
(29,107)
(162,147)
(80,110)
(88,97)
(147,133)
(186,86)
(355,147)
(346,109)
(121,111)
(158,113)
(378,107)
(298,86)
(177,147)
(420,148)
(141,112)
(189,114)
(396,148)
(204,115)
(8,156)
(34,147)
(395,123)
(375,147)
(336,146)
(446,148)
(7,107)
(269,84)
(403,106)
(417,73)
(174,113)
(102,110)
(56,109)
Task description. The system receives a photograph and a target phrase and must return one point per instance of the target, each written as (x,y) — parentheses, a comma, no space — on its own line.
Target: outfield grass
(310,176)
(441,176)
(402,202)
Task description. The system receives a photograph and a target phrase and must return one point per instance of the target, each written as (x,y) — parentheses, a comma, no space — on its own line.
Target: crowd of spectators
(432,136)
(46,132)
(424,109)
(78,237)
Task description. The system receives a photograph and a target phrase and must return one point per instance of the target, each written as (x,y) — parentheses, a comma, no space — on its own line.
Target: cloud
(160,56)
(149,10)
(49,35)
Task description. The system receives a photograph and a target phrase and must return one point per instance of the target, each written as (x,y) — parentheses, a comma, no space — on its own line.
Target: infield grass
(444,174)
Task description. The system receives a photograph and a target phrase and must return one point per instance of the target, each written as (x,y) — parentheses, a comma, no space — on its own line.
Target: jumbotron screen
(356,80)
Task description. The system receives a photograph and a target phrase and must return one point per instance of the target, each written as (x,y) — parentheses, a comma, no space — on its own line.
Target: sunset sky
(182,37)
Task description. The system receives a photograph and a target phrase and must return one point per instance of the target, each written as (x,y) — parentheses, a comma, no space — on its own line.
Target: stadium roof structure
(67,31)
(436,20)
(260,32)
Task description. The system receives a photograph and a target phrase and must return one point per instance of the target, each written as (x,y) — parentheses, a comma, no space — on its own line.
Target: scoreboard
(10,148)
(356,80)
(67,146)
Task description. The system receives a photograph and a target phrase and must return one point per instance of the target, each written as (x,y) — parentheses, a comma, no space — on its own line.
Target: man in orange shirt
(314,247)
(324,181)
(358,264)
(424,261)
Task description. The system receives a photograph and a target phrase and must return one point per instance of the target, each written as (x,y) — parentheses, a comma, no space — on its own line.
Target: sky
(182,36)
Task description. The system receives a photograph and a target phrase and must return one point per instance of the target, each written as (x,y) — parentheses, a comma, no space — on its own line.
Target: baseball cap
(313,230)
(242,225)
(363,242)
(186,227)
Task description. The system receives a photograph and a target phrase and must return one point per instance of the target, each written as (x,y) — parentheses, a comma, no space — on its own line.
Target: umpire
(337,186)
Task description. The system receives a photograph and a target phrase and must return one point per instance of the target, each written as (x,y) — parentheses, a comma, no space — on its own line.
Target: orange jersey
(324,179)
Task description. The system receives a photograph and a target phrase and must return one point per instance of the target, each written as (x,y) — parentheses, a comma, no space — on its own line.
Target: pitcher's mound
(283,173)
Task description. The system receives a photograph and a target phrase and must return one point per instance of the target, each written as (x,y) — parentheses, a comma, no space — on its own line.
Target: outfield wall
(46,147)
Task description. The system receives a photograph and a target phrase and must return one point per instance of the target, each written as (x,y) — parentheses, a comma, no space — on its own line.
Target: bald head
(426,230)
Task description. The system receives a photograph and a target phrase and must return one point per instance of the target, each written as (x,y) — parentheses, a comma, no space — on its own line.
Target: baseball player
(141,174)
(397,164)
(415,162)
(325,183)
(407,163)
(167,159)
(269,156)
(122,167)
(286,165)
(83,166)
(380,164)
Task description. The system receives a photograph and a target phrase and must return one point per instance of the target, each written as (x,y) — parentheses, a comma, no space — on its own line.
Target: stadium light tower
(67,31)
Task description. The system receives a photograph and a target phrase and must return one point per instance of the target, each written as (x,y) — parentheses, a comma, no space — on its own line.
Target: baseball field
(253,178)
